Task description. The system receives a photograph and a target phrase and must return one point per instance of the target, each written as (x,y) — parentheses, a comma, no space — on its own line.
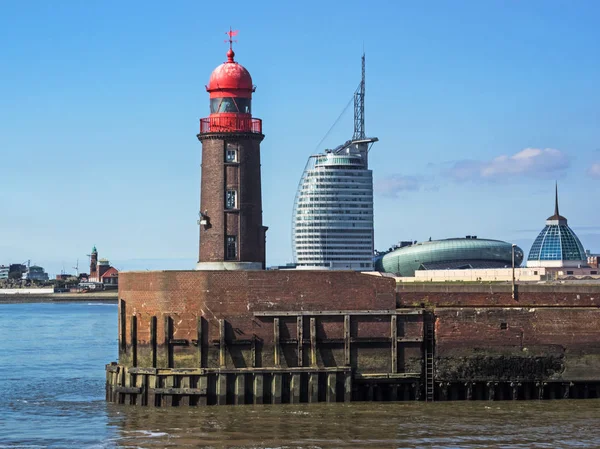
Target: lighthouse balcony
(230,124)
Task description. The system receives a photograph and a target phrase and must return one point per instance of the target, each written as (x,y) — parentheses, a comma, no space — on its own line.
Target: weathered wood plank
(166,400)
(152,379)
(240,389)
(394,337)
(200,336)
(153,342)
(300,338)
(123,325)
(331,387)
(139,370)
(276,347)
(313,342)
(222,389)
(276,388)
(128,390)
(258,387)
(347,340)
(339,312)
(133,335)
(168,336)
(184,385)
(295,388)
(181,391)
(203,386)
(222,361)
(313,387)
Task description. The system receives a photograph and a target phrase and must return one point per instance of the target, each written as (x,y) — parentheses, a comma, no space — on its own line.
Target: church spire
(556,200)
(556,215)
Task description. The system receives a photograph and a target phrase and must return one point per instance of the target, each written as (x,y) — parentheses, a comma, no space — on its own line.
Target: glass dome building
(449,254)
(557,245)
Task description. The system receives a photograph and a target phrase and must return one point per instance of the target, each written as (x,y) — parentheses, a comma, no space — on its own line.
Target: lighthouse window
(231,247)
(230,104)
(231,199)
(231,155)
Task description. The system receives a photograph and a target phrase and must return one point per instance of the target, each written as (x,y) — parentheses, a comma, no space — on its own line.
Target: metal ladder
(429,353)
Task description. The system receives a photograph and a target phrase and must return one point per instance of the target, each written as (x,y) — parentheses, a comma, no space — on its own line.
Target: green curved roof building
(454,253)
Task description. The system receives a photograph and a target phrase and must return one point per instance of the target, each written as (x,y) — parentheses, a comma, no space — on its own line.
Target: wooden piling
(276,343)
(184,383)
(200,341)
(123,325)
(133,334)
(295,388)
(313,342)
(240,389)
(222,361)
(258,387)
(222,389)
(153,342)
(276,388)
(313,386)
(300,337)
(347,340)
(331,387)
(203,385)
(168,337)
(394,338)
(347,387)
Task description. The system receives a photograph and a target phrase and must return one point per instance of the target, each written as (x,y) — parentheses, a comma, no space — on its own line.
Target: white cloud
(594,170)
(528,162)
(393,185)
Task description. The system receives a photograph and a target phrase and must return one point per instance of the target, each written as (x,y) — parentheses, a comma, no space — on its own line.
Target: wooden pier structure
(218,338)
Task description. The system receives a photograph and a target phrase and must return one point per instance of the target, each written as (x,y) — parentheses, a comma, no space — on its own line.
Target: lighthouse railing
(233,123)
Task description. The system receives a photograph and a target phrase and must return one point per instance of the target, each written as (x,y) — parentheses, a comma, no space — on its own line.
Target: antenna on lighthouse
(359,106)
(231,33)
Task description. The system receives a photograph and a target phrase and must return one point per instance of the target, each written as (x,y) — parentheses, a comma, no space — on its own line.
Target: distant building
(4,272)
(63,277)
(16,271)
(101,271)
(333,211)
(557,245)
(449,254)
(35,273)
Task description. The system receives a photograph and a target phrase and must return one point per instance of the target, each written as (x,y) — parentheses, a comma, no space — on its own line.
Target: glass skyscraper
(333,211)
(332,223)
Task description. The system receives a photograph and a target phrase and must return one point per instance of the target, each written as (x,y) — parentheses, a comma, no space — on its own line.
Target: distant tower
(232,236)
(332,223)
(93,261)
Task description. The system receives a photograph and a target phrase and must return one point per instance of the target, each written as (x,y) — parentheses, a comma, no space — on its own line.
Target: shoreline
(106,297)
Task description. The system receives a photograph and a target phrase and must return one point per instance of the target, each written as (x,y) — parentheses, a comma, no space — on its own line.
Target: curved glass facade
(332,223)
(557,242)
(454,253)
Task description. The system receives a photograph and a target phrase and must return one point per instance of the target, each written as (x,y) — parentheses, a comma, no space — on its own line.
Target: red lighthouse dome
(230,79)
(230,88)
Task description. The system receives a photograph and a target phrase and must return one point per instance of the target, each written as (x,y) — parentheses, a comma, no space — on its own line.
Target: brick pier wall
(548,332)
(237,304)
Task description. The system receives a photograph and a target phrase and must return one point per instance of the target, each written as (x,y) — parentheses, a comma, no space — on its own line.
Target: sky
(479,107)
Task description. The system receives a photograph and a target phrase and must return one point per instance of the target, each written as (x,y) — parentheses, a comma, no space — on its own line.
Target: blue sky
(479,108)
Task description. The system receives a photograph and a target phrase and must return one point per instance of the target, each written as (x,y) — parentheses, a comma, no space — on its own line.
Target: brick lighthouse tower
(232,236)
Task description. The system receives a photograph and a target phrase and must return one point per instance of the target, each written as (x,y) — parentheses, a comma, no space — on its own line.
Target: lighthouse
(232,235)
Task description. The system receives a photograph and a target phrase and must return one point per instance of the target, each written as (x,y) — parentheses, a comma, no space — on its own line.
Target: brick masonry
(549,332)
(185,296)
(243,176)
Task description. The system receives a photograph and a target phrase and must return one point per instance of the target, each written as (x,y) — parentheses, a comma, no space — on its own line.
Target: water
(52,360)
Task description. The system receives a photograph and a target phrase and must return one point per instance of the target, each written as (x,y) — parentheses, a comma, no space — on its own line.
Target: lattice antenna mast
(359,106)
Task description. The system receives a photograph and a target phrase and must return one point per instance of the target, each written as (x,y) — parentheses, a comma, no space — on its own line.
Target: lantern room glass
(230,104)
